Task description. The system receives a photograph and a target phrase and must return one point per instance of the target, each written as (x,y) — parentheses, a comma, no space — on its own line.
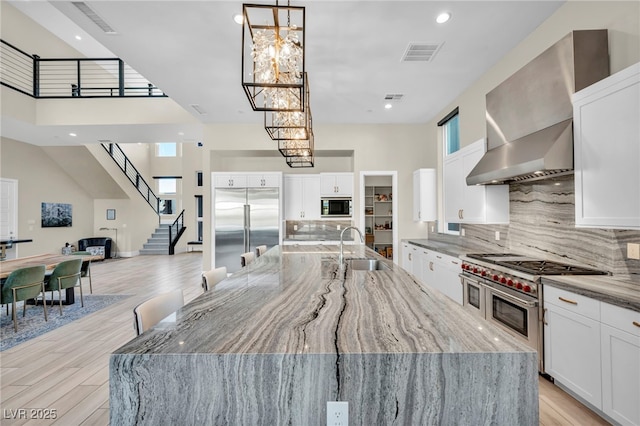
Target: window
(166,149)
(450,132)
(199,178)
(167,185)
(199,216)
(451,143)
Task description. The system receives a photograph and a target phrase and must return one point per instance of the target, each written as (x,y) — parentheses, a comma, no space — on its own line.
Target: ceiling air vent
(393,97)
(94,17)
(198,109)
(420,52)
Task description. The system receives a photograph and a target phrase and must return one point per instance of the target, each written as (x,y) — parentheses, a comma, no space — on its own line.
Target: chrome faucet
(341,258)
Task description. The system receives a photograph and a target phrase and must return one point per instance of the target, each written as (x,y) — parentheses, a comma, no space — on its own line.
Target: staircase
(158,243)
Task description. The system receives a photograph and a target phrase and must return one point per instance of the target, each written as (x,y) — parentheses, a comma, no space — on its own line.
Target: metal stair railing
(133,175)
(175,231)
(71,77)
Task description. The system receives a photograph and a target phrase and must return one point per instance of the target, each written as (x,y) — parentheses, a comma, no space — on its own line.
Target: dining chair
(247,258)
(65,275)
(213,277)
(260,250)
(85,270)
(152,311)
(21,285)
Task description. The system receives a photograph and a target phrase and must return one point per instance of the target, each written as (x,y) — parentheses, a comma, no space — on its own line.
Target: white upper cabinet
(336,184)
(264,180)
(424,195)
(607,152)
(472,204)
(231,180)
(302,197)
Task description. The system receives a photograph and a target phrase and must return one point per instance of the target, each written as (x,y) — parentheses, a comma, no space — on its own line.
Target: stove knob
(484,273)
(510,282)
(527,289)
(463,266)
(475,270)
(503,280)
(495,277)
(519,286)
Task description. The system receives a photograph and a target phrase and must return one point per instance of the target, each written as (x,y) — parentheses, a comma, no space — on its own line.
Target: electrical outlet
(337,413)
(462,233)
(633,251)
(433,228)
(497,235)
(295,227)
(338,227)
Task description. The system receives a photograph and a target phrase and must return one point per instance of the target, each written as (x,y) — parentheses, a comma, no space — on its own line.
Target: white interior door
(8,208)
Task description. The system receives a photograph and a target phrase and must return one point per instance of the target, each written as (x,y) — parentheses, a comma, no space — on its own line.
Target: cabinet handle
(439,257)
(409,256)
(454,262)
(568,300)
(544,317)
(431,266)
(461,213)
(636,323)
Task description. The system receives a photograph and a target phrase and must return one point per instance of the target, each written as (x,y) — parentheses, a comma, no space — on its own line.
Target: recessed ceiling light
(443,17)
(73,134)
(180,133)
(388,106)
(238,19)
(78,37)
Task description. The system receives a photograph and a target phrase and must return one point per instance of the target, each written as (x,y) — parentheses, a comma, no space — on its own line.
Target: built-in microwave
(335,207)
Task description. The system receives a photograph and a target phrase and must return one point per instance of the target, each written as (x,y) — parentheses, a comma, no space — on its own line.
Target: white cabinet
(572,343)
(264,180)
(248,180)
(302,197)
(336,184)
(620,364)
(472,204)
(231,180)
(424,195)
(407,258)
(607,152)
(441,272)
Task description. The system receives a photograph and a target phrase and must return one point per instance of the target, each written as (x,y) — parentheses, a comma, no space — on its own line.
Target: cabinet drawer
(620,318)
(572,302)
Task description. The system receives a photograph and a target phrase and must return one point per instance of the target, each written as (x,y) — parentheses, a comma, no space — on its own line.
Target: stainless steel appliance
(529,115)
(505,290)
(244,218)
(335,207)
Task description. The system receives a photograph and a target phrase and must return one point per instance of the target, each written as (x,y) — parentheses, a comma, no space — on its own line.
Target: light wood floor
(68,368)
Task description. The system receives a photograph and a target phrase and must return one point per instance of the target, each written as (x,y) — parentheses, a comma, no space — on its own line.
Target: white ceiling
(192,51)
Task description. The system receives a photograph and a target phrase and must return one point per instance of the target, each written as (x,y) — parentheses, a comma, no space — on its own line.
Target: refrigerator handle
(247,227)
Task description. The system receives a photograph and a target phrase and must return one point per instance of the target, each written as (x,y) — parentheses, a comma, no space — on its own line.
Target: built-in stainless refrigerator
(244,218)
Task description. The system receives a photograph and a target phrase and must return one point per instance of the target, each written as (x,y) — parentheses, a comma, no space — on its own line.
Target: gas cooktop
(533,266)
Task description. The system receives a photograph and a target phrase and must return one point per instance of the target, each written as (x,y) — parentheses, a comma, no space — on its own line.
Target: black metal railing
(71,77)
(133,175)
(175,231)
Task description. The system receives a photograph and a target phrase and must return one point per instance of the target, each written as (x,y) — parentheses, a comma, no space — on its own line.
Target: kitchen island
(275,341)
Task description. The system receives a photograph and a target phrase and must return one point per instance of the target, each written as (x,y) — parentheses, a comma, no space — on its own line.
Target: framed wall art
(56,215)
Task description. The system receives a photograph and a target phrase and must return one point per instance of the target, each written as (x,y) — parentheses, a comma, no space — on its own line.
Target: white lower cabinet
(593,349)
(621,364)
(440,271)
(407,257)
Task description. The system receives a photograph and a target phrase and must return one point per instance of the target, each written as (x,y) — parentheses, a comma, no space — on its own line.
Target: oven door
(517,314)
(473,292)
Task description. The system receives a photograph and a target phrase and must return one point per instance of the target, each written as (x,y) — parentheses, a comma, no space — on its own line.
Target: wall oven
(505,290)
(335,207)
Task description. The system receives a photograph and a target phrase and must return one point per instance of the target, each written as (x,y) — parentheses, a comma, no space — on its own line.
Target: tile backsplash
(542,224)
(317,230)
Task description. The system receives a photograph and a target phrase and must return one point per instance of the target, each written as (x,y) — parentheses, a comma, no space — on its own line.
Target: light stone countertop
(276,341)
(623,291)
(619,290)
(295,299)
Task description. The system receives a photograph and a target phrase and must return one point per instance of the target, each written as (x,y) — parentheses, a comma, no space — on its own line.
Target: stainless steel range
(505,289)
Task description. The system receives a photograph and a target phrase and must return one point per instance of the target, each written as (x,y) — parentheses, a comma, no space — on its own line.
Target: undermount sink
(367,265)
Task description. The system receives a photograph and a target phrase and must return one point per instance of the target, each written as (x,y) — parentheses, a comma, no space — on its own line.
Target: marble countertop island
(273,343)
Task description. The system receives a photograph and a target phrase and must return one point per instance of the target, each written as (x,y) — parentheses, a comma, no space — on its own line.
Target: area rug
(34,325)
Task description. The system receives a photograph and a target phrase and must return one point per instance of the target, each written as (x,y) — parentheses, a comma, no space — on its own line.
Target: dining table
(50,261)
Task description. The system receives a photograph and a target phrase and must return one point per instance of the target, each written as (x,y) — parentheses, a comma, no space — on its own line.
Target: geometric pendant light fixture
(273,51)
(290,125)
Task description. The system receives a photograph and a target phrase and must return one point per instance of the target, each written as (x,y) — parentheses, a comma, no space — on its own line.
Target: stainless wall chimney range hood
(530,115)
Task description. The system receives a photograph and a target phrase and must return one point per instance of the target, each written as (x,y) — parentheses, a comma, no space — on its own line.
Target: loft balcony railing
(71,77)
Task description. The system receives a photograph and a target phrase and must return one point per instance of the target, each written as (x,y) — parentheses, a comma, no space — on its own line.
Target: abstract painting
(56,215)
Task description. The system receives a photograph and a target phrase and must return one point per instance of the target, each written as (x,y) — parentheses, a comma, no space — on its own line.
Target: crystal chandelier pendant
(290,125)
(273,68)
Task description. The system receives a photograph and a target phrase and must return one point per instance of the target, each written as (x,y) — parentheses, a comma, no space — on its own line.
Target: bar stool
(247,258)
(213,277)
(260,250)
